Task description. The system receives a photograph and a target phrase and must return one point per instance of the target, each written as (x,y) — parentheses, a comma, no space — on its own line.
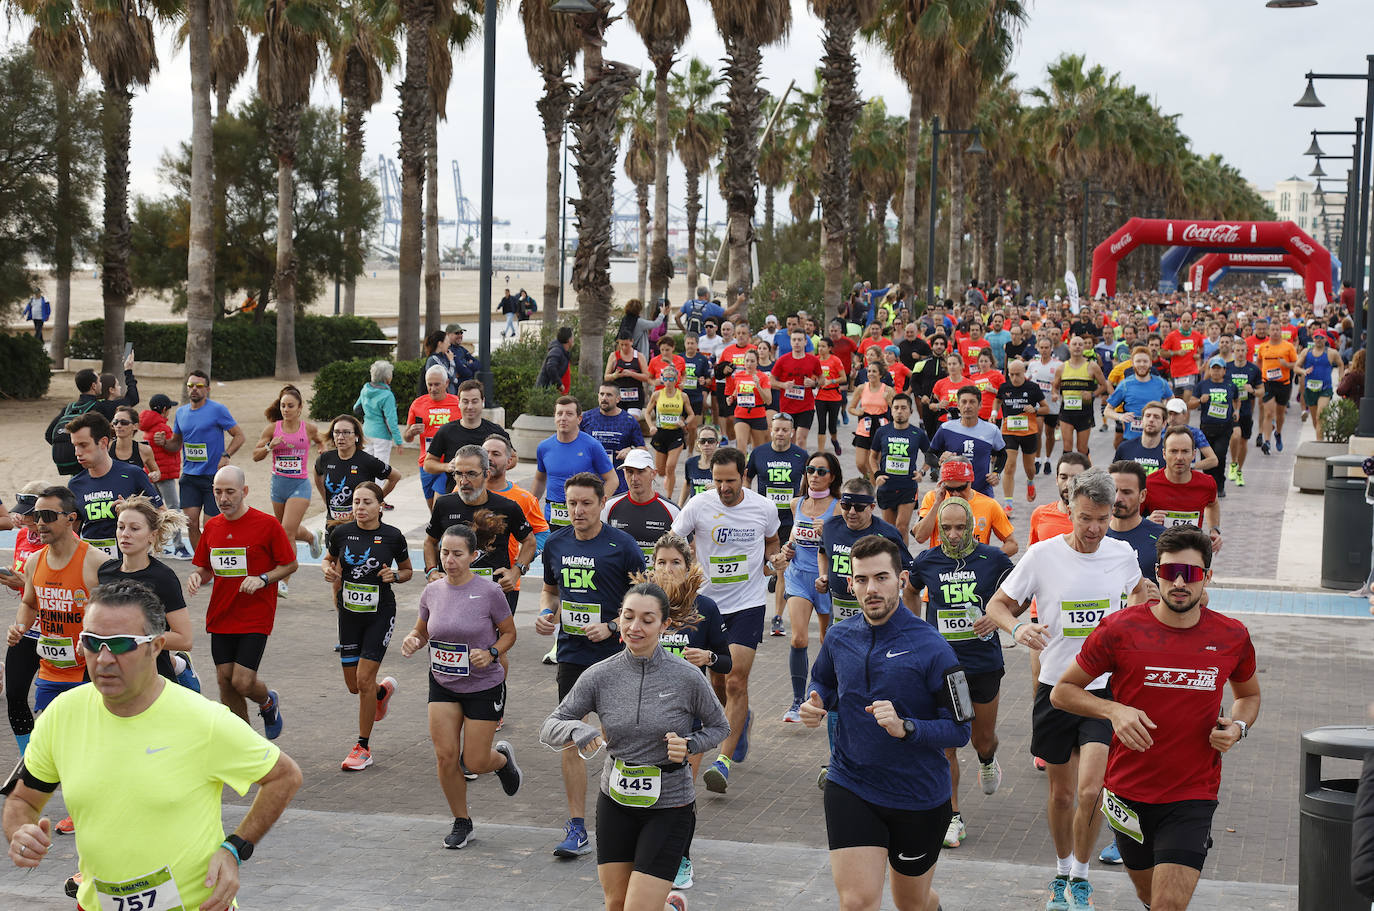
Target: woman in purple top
(467,625)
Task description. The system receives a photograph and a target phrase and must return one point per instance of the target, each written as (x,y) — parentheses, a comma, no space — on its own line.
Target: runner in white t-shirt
(1041,371)
(1076,580)
(735,532)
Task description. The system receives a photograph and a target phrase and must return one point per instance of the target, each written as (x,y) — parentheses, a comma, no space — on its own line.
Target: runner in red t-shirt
(1168,660)
(988,379)
(945,394)
(427,414)
(1182,347)
(797,376)
(748,390)
(1178,495)
(246,553)
(666,357)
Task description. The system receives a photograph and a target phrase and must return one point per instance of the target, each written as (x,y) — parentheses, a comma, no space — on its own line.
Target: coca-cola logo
(1301,244)
(1215,234)
(1121,244)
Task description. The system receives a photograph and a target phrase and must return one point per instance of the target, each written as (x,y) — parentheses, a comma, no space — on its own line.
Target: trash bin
(1326,809)
(1346,521)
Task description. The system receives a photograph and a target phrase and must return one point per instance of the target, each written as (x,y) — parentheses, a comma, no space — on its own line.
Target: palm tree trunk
(200,257)
(906,271)
(1038,266)
(881,224)
(286,130)
(693,213)
(744,107)
(840,106)
(115,284)
(999,243)
(432,314)
(553,111)
(414,119)
(62,247)
(768,213)
(642,255)
(354,102)
(660,265)
(954,264)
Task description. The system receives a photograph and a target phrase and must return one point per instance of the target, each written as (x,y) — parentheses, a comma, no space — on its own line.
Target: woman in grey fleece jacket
(644,697)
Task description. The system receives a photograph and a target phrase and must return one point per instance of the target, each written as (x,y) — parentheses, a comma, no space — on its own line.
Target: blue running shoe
(187,677)
(271,716)
(1059,894)
(684,880)
(575,843)
(1278,442)
(717,775)
(1110,854)
(1080,895)
(742,747)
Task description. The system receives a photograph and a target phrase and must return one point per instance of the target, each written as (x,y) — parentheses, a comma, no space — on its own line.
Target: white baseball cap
(639,459)
(1177,406)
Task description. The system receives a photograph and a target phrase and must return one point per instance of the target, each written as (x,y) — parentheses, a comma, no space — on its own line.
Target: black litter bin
(1346,521)
(1326,809)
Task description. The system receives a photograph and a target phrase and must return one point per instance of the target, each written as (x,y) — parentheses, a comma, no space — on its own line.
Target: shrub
(786,288)
(338,383)
(1340,420)
(242,349)
(25,370)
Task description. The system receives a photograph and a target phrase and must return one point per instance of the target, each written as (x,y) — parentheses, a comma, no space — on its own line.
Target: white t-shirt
(730,545)
(1042,375)
(711,347)
(1073,593)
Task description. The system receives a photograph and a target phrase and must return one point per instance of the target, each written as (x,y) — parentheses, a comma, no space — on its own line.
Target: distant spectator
(556,371)
(437,354)
(526,305)
(693,314)
(378,405)
(511,308)
(150,421)
(637,327)
(465,365)
(1352,384)
(39,311)
(91,397)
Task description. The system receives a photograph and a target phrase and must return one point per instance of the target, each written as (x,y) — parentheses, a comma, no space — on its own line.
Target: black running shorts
(913,838)
(244,649)
(652,838)
(1055,733)
(365,634)
(1175,833)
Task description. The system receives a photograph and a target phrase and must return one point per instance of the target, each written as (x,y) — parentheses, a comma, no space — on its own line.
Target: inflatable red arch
(1205,269)
(1314,260)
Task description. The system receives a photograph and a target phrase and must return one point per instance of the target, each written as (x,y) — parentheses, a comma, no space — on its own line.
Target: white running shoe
(956,833)
(990,776)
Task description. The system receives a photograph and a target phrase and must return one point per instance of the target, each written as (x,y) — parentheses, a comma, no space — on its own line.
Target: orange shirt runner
(62,599)
(432,415)
(1270,357)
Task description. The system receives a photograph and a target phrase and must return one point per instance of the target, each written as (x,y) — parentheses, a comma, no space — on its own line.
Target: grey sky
(1231,68)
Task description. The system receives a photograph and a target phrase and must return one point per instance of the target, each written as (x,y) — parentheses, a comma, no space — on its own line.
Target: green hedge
(338,383)
(241,349)
(25,370)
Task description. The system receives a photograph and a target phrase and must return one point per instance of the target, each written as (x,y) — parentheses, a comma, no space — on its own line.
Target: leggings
(828,417)
(21,666)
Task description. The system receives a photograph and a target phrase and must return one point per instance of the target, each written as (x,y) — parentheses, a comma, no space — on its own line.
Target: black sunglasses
(47,515)
(854,507)
(817,469)
(122,423)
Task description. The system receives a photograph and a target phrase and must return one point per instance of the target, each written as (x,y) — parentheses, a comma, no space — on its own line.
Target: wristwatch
(909,726)
(242,848)
(265,581)
(495,653)
(613,626)
(711,662)
(522,567)
(1244,729)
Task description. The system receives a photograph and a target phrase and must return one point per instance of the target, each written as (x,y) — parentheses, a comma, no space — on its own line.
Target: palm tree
(840,109)
(364,50)
(698,142)
(228,52)
(635,127)
(746,26)
(774,154)
(58,52)
(200,246)
(877,156)
(663,25)
(593,114)
(552,44)
(414,118)
(290,34)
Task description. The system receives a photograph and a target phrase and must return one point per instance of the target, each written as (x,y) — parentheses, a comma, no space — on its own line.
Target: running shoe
(459,835)
(838,450)
(1059,894)
(717,775)
(742,747)
(66,826)
(1230,471)
(73,885)
(1264,447)
(388,687)
(1278,442)
(684,880)
(509,774)
(500,723)
(1039,763)
(1080,895)
(187,677)
(822,776)
(551,657)
(1221,492)
(316,547)
(777,626)
(182,553)
(1006,505)
(793,715)
(990,776)
(956,833)
(677,901)
(1030,491)
(467,775)
(359,758)
(1047,467)
(575,843)
(271,716)
(772,583)
(1110,854)
(282,590)
(1240,478)
(1259,441)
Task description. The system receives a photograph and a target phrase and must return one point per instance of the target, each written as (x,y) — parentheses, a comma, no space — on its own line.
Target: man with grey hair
(427,414)
(493,518)
(246,553)
(1076,579)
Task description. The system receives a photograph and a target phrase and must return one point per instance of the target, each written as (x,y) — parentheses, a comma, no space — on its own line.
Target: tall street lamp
(1361,223)
(974,148)
(488,171)
(1089,192)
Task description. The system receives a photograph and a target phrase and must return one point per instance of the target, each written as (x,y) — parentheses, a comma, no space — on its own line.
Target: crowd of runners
(698,507)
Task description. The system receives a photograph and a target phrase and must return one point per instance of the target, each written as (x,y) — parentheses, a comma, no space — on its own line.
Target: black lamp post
(1360,218)
(488,171)
(974,148)
(1089,192)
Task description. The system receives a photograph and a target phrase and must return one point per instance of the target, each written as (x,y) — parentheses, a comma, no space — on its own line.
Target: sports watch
(242,848)
(495,653)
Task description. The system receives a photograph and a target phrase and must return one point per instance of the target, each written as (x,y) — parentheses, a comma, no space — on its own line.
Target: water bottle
(975,613)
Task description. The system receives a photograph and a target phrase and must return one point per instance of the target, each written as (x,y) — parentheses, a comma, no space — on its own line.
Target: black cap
(24,504)
(160,402)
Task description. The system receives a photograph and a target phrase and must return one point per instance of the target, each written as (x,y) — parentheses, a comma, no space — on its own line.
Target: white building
(1295,200)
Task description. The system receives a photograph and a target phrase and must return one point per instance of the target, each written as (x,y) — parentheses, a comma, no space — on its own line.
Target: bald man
(246,553)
